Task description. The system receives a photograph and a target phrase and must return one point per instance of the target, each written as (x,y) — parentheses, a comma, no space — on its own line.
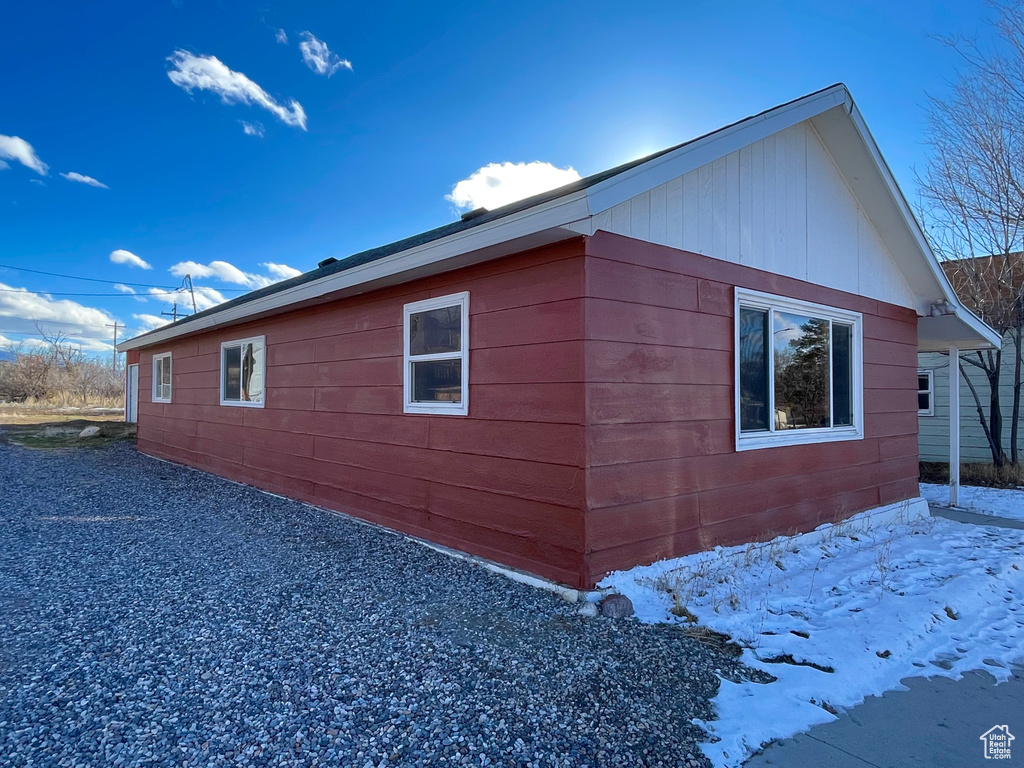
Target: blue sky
(431,93)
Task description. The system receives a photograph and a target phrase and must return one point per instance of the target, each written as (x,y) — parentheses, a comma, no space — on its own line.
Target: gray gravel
(153,615)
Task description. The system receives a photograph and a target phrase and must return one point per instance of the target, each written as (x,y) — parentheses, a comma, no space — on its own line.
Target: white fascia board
(555,214)
(660,170)
(987,336)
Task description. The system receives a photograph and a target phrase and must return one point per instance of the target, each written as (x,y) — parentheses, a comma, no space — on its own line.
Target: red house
(714,344)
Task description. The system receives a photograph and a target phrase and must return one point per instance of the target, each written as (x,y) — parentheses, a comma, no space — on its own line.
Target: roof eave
(545,223)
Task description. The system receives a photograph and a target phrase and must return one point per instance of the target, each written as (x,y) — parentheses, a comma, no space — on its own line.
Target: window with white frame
(925,393)
(436,355)
(799,372)
(242,372)
(162,378)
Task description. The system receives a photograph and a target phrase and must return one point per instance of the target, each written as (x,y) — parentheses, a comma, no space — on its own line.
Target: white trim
(261,340)
(699,152)
(954,426)
(536,226)
(972,321)
(156,398)
(746,441)
(566,216)
(460,408)
(930,410)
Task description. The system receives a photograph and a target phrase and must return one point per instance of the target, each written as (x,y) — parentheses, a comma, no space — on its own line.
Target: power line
(109,282)
(89,279)
(50,322)
(108,295)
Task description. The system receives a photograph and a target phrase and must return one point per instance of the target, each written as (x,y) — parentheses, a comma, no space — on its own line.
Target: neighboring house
(934,368)
(711,345)
(933,422)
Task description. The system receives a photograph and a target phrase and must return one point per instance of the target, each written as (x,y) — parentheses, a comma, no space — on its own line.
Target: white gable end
(780,205)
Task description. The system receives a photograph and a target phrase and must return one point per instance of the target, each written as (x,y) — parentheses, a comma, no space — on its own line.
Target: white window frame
(746,441)
(930,411)
(156,359)
(236,343)
(438,408)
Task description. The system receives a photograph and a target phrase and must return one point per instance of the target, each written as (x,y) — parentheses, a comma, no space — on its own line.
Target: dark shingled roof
(365,257)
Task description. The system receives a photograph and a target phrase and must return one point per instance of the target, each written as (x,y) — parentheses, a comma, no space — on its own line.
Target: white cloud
(282,271)
(252,129)
(319,57)
(121,256)
(499,184)
(40,182)
(130,291)
(4,165)
(83,326)
(149,322)
(206,297)
(229,273)
(281,36)
(15,148)
(208,73)
(81,179)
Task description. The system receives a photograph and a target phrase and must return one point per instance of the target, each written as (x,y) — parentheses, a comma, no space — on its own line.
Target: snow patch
(998,502)
(841,613)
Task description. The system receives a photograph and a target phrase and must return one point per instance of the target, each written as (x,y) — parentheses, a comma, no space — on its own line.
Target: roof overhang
(832,113)
(532,228)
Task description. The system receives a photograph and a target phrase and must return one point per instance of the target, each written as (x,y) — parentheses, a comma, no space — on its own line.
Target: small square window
(162,378)
(436,355)
(925,393)
(242,372)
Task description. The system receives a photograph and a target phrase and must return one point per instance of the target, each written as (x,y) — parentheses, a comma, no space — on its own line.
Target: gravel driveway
(155,615)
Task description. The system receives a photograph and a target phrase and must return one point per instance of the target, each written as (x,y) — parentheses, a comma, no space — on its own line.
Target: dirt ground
(11,413)
(65,434)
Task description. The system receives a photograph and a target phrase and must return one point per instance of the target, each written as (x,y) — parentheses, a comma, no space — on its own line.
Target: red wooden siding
(663,476)
(601,426)
(506,483)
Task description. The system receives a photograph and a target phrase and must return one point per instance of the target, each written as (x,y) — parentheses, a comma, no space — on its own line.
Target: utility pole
(173,313)
(115,327)
(192,290)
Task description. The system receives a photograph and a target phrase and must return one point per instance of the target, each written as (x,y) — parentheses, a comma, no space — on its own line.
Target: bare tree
(972,203)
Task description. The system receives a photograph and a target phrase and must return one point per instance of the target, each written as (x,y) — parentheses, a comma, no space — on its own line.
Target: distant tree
(972,203)
(802,373)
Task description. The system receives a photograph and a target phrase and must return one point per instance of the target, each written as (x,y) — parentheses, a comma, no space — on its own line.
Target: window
(242,367)
(436,357)
(799,372)
(162,378)
(925,393)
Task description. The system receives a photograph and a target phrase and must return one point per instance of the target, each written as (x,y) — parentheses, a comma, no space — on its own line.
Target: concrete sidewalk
(937,723)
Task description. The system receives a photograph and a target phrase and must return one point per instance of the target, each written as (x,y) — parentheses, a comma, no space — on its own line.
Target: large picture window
(436,357)
(162,378)
(242,369)
(799,372)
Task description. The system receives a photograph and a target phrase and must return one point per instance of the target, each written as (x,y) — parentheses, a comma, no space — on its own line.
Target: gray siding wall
(933,432)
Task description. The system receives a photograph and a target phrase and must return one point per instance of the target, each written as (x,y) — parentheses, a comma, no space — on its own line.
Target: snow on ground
(842,613)
(1000,502)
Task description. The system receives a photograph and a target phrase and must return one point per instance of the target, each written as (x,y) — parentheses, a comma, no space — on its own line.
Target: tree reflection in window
(795,371)
(801,350)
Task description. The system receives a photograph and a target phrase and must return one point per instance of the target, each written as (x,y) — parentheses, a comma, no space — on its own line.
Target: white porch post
(954,426)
